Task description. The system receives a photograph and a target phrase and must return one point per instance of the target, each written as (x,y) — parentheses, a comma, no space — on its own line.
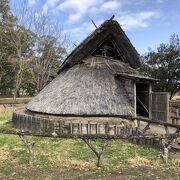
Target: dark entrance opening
(142,99)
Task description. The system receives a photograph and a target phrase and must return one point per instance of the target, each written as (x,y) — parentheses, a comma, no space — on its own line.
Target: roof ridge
(107,28)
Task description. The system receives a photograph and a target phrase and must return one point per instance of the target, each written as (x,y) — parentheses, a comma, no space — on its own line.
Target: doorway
(142,99)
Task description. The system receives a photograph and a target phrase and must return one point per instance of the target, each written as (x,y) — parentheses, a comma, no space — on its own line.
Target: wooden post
(80,128)
(150,101)
(165,150)
(147,127)
(88,128)
(135,100)
(71,128)
(97,128)
(177,115)
(166,129)
(115,129)
(107,128)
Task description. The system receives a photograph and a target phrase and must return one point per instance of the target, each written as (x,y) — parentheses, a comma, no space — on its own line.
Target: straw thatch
(136,77)
(89,88)
(109,30)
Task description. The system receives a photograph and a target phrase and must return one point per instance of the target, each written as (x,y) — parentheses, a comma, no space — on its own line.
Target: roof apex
(88,45)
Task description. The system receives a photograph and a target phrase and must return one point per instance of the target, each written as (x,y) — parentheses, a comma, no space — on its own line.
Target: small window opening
(142,99)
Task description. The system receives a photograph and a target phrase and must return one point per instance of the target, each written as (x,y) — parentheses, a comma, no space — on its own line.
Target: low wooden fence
(90,130)
(175,118)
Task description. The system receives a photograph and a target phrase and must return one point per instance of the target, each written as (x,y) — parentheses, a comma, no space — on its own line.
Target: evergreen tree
(164,64)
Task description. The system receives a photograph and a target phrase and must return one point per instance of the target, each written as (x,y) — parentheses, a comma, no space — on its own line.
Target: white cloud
(45,9)
(136,20)
(77,5)
(49,4)
(84,28)
(160,1)
(32,2)
(74,30)
(74,17)
(127,20)
(78,8)
(111,6)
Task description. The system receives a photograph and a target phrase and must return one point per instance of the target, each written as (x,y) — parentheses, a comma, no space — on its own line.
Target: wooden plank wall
(160,106)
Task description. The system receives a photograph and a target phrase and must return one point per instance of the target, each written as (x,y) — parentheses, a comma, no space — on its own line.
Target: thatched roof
(110,29)
(88,88)
(136,77)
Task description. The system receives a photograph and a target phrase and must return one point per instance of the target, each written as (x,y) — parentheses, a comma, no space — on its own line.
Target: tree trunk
(30,148)
(18,82)
(99,160)
(31,153)
(95,150)
(15,95)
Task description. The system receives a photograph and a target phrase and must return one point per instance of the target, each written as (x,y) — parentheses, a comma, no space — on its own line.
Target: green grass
(18,100)
(71,158)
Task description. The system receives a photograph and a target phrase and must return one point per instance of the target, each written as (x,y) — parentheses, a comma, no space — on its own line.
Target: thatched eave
(136,77)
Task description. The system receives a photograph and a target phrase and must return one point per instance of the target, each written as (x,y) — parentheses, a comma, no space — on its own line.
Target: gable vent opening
(108,49)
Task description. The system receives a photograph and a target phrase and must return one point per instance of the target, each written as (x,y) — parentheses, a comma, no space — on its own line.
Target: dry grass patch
(139,161)
(9,109)
(4,153)
(175,162)
(76,164)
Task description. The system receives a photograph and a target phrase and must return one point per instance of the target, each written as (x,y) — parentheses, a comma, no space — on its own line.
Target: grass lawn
(72,159)
(18,100)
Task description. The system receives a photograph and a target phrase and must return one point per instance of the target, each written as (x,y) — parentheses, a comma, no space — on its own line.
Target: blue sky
(147,23)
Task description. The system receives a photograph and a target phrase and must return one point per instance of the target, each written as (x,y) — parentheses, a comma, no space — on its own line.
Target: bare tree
(49,48)
(17,38)
(95,150)
(35,40)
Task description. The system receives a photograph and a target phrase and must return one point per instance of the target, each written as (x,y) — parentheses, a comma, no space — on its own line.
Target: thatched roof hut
(96,79)
(86,84)
(88,88)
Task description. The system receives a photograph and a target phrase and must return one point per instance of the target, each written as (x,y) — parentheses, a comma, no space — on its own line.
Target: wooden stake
(95,151)
(147,127)
(166,129)
(94,23)
(112,17)
(30,148)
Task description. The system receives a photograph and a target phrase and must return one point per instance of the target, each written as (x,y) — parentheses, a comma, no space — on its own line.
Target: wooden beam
(147,127)
(61,135)
(135,103)
(81,136)
(112,17)
(157,122)
(94,23)
(166,129)
(150,101)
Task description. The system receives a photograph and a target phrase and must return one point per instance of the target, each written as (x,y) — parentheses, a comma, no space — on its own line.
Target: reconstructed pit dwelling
(97,83)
